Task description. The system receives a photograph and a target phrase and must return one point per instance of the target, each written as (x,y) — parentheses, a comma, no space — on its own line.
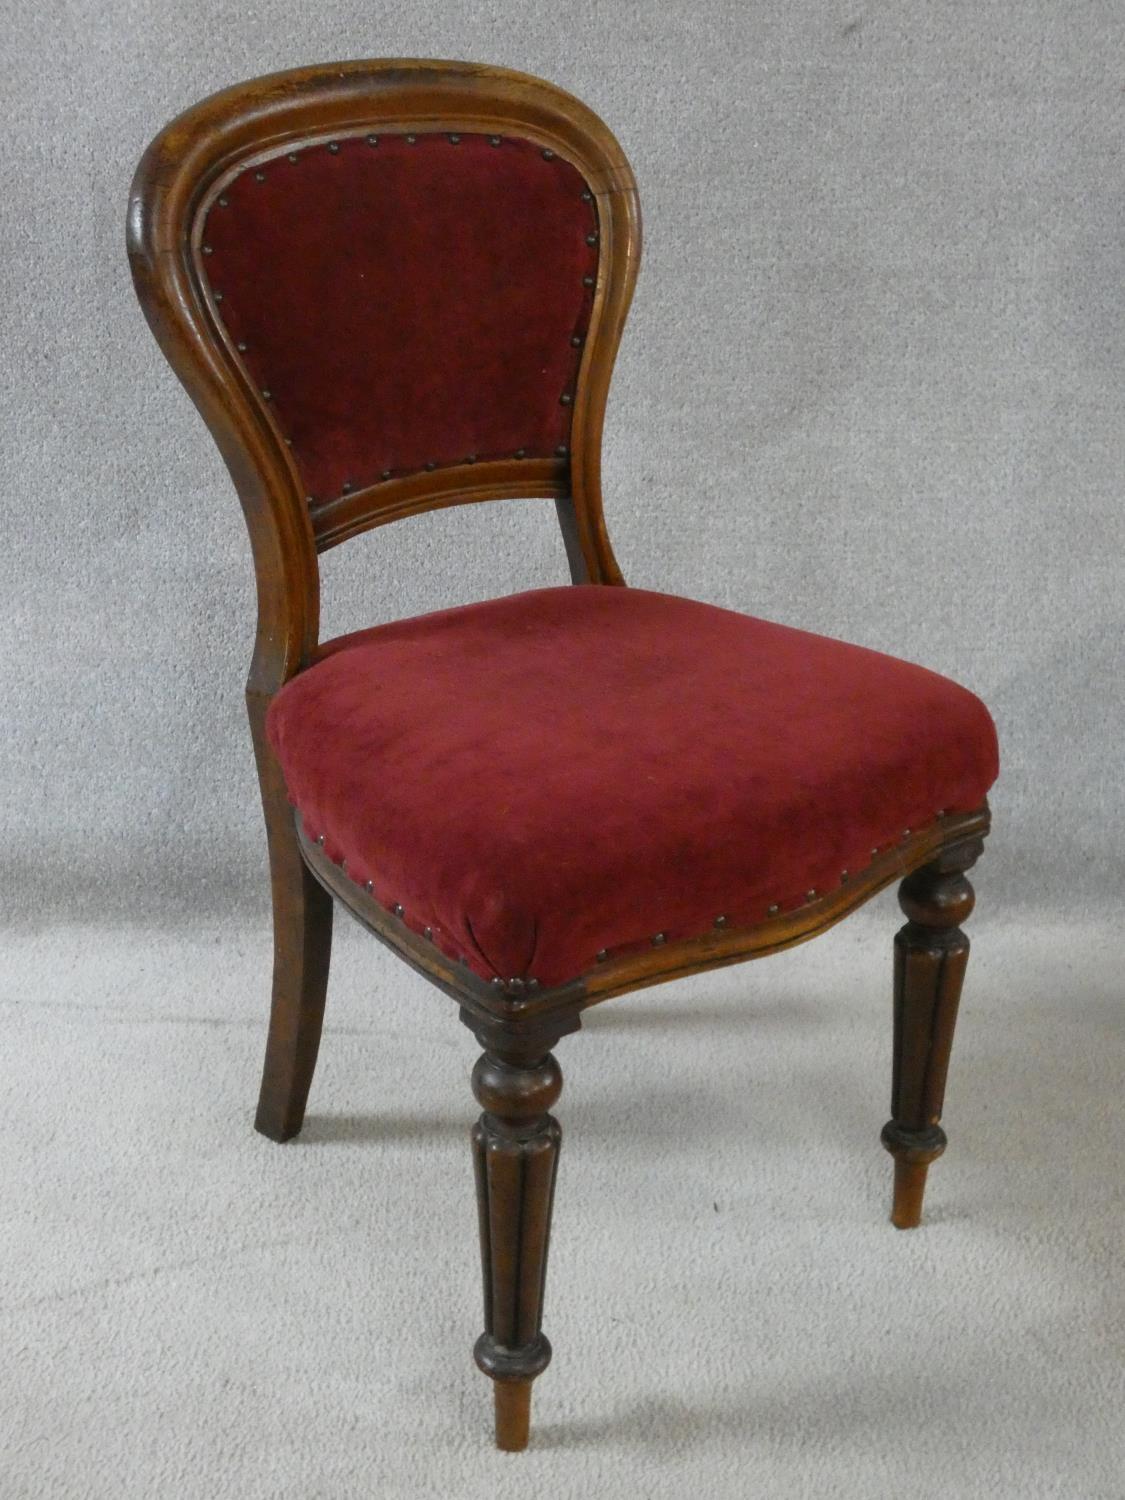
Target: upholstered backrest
(388,286)
(408,300)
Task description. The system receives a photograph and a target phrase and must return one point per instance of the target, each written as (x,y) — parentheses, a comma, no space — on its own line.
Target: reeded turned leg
(931,953)
(515,1153)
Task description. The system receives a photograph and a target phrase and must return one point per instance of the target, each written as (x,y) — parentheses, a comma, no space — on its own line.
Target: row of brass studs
(658,939)
(516,988)
(411,140)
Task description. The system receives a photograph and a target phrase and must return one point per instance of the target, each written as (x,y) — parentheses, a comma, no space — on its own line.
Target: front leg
(931,953)
(515,1153)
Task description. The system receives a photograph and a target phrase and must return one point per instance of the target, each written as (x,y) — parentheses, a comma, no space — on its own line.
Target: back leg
(302,949)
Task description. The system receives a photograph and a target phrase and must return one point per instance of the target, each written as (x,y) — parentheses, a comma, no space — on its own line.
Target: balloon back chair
(397,285)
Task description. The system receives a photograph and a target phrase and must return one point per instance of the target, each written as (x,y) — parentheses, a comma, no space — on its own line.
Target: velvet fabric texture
(407,301)
(541,777)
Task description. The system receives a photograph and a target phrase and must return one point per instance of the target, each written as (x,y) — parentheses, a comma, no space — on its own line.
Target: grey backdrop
(872,385)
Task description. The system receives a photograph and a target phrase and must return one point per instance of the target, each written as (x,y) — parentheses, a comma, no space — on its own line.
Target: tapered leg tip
(513,1414)
(910,1187)
(276,1127)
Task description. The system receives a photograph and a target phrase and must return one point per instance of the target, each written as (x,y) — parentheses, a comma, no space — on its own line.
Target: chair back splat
(388,286)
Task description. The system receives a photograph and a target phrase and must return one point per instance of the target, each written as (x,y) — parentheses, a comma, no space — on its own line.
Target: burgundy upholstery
(544,776)
(407,300)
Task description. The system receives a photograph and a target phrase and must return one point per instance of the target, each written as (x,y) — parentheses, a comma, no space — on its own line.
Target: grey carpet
(189,1310)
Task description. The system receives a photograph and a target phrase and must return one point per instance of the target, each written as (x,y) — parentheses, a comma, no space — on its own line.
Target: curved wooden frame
(187,165)
(517,1080)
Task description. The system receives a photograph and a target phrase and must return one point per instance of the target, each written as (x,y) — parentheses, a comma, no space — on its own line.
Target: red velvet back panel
(407,301)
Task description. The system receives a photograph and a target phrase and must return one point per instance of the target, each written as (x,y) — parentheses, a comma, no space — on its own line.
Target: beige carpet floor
(190,1311)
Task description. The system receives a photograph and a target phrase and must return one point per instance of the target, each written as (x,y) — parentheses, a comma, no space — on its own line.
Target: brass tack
(941,812)
(657,939)
(566,399)
(428,934)
(720,921)
(810,895)
(906,833)
(561,450)
(601,955)
(310,500)
(576,341)
(471,459)
(242,348)
(533,984)
(875,851)
(333,146)
(521,452)
(431,465)
(844,877)
(454,140)
(223,202)
(218,296)
(398,909)
(369,886)
(548,156)
(774,909)
(386,473)
(587,281)
(591,239)
(207,250)
(346,486)
(493,140)
(372,140)
(411,140)
(292,156)
(320,840)
(259,177)
(288,442)
(587,196)
(266,395)
(497,982)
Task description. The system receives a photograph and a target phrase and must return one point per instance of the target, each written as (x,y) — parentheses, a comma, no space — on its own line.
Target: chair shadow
(748,1015)
(382,1130)
(613,1115)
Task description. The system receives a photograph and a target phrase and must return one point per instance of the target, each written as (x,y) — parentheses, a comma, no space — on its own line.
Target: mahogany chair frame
(516,1080)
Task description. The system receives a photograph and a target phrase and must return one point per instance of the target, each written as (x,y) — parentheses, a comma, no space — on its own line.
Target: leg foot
(931,953)
(513,1414)
(910,1187)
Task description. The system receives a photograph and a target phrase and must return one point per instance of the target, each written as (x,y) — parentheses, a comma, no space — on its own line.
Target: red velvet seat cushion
(543,776)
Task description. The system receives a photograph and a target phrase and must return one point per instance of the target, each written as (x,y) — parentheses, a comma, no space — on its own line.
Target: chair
(398,285)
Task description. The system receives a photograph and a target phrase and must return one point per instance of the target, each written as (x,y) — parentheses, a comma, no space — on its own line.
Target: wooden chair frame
(516,1080)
